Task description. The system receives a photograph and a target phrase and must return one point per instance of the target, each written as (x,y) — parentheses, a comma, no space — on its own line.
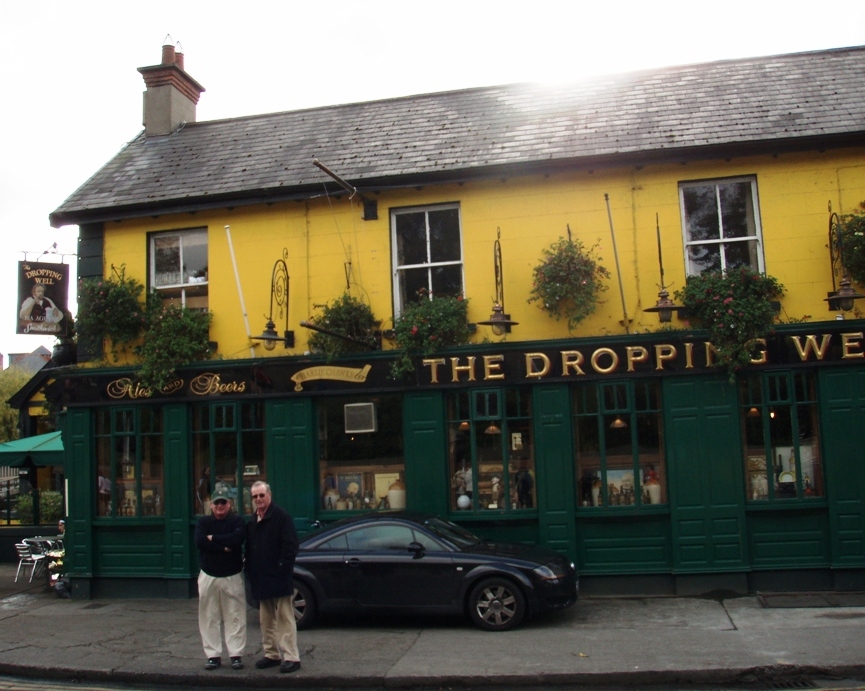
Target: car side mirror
(417,550)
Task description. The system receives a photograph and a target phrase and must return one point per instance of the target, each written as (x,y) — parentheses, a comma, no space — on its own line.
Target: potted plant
(176,336)
(735,307)
(109,309)
(851,240)
(568,281)
(352,324)
(426,326)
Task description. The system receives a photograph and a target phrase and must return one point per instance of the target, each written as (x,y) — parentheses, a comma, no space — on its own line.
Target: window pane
(447,281)
(194,256)
(411,283)
(704,258)
(735,209)
(361,470)
(701,212)
(166,260)
(411,240)
(738,254)
(151,476)
(445,235)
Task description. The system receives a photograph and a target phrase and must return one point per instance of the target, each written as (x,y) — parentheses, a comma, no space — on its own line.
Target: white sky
(72,95)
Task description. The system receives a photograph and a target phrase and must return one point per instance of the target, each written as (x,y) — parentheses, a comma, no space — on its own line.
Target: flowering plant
(110,309)
(176,336)
(851,238)
(346,315)
(428,325)
(735,307)
(567,282)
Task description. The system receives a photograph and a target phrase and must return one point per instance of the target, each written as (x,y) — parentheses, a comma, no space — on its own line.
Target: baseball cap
(220,495)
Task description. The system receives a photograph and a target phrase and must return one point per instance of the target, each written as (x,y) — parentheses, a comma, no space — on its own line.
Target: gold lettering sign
(350,374)
(126,388)
(207,384)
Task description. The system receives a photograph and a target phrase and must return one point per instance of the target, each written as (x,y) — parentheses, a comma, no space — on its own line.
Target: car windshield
(451,532)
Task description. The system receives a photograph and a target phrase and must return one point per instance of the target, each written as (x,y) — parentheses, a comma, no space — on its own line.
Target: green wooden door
(555,469)
(426,459)
(842,410)
(706,482)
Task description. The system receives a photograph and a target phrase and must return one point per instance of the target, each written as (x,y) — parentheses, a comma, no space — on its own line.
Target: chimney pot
(168,56)
(178,60)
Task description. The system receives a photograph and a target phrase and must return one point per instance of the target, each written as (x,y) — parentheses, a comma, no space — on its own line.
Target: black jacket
(271,547)
(229,532)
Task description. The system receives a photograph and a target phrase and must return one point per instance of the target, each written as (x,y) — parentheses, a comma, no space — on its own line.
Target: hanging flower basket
(348,316)
(568,281)
(851,236)
(735,308)
(428,325)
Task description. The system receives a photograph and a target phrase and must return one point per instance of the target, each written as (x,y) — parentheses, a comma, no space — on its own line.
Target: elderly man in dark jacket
(271,547)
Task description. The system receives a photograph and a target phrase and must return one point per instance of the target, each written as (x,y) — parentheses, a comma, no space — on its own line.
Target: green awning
(43,449)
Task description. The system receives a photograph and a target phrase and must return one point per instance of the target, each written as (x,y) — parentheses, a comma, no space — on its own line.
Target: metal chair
(26,557)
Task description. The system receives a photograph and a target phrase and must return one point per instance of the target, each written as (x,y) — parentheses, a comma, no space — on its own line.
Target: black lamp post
(279,283)
(665,306)
(500,322)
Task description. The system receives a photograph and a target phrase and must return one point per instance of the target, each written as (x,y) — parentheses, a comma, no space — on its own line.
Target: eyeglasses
(221,501)
(258,496)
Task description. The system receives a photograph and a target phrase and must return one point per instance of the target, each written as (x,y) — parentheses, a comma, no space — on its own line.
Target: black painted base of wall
(133,588)
(725,584)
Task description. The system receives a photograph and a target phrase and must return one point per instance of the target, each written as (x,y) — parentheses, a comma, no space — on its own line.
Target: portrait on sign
(42,298)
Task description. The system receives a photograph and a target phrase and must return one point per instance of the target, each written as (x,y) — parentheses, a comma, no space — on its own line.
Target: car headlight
(549,572)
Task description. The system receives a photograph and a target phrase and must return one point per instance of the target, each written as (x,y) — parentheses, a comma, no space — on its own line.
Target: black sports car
(408,562)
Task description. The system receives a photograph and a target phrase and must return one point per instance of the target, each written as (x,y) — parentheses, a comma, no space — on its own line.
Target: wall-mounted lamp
(618,423)
(500,322)
(842,297)
(278,295)
(665,306)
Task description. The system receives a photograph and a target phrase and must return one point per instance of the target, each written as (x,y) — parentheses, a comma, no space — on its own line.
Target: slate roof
(734,105)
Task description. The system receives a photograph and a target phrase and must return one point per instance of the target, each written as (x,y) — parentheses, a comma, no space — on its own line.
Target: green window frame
(619,442)
(491,452)
(228,452)
(130,464)
(781,437)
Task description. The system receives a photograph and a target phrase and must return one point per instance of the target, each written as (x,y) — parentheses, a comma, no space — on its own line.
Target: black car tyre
(304,605)
(497,604)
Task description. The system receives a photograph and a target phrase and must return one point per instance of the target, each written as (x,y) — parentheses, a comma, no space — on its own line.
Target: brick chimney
(171,94)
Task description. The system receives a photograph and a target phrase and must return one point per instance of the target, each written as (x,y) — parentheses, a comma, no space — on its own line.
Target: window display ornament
(842,297)
(500,322)
(279,285)
(665,306)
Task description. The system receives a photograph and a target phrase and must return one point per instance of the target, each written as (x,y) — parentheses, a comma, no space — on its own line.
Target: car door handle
(354,561)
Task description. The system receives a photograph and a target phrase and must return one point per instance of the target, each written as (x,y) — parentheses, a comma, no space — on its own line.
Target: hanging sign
(43,291)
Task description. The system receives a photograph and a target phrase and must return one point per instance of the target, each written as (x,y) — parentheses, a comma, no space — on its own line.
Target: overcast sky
(73,96)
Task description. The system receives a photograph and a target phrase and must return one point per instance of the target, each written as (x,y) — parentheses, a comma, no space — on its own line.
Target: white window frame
(185,281)
(757,235)
(429,265)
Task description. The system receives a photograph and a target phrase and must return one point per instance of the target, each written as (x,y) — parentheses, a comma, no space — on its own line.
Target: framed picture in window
(350,484)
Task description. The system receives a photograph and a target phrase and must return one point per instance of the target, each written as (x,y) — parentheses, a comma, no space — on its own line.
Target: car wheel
(496,604)
(304,605)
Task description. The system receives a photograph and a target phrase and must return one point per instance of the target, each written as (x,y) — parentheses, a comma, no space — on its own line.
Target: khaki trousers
(278,629)
(222,601)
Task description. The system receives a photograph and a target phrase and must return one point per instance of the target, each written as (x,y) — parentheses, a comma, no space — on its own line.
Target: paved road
(681,642)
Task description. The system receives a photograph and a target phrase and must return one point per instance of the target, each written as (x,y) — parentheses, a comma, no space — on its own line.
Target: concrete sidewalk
(665,641)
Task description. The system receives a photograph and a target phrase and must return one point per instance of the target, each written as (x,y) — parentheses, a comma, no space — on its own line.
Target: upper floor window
(721,220)
(178,266)
(427,252)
